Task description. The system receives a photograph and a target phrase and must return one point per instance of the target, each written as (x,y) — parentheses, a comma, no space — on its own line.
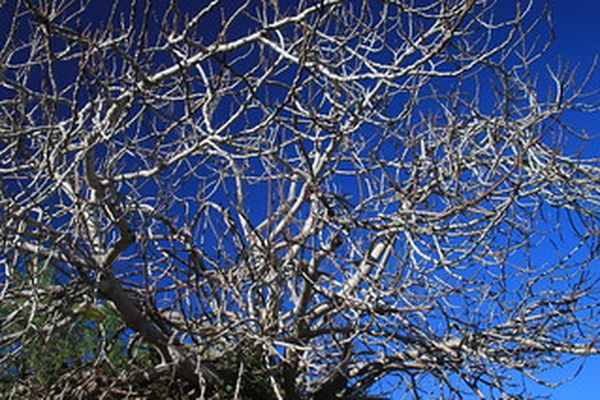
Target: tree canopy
(292,200)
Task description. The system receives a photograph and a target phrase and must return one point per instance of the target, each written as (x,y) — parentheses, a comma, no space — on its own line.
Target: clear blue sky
(577,28)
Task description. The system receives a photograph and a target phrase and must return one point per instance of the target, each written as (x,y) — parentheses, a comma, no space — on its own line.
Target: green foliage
(253,382)
(43,356)
(87,354)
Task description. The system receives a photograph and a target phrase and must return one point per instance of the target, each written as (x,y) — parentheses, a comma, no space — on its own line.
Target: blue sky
(577,28)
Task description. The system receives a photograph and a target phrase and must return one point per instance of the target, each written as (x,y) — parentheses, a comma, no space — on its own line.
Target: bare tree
(373,198)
